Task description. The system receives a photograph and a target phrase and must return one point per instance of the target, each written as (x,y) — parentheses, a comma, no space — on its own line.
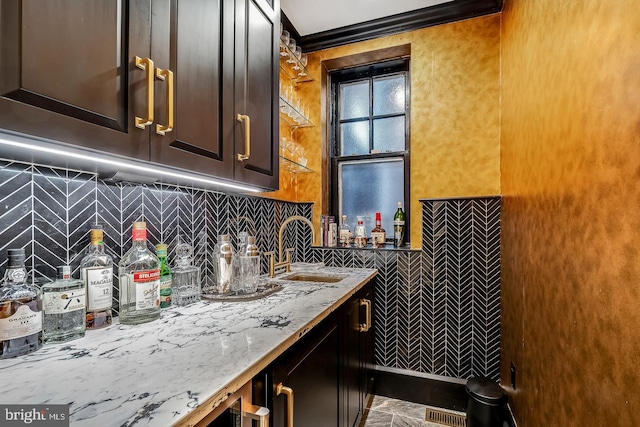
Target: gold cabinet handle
(289,393)
(146,64)
(168,76)
(258,413)
(247,139)
(364,327)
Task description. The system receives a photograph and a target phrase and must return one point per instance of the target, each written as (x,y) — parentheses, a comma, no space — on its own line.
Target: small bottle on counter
(165,276)
(63,308)
(20,309)
(398,227)
(344,232)
(96,271)
(186,277)
(360,234)
(139,271)
(378,234)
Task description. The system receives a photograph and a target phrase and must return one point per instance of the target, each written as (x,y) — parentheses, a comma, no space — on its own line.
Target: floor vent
(446,418)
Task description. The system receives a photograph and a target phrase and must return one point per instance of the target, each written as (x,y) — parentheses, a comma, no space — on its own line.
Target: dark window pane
(367,187)
(388,95)
(355,138)
(354,100)
(388,134)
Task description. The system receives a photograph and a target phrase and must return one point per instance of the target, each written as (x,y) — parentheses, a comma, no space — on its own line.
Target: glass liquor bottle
(165,276)
(186,277)
(360,232)
(63,307)
(378,234)
(96,271)
(20,310)
(398,227)
(139,273)
(344,232)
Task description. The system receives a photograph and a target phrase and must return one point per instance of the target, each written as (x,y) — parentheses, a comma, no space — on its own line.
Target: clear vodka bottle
(139,274)
(63,307)
(96,271)
(20,310)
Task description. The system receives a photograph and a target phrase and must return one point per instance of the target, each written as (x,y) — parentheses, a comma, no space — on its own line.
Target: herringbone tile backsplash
(437,310)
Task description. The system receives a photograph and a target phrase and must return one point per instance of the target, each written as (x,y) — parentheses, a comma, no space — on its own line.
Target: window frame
(353,74)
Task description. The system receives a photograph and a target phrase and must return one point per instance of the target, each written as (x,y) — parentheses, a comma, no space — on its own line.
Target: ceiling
(321,24)
(316,16)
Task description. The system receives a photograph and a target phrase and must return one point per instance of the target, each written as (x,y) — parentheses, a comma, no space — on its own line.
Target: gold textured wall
(455,114)
(570,143)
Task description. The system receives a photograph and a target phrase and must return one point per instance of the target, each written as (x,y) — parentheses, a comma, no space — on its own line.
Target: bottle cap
(161,249)
(377,216)
(139,224)
(15,258)
(184,252)
(96,226)
(64,272)
(399,205)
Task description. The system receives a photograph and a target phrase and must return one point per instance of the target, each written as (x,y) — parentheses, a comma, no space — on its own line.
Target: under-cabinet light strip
(126,165)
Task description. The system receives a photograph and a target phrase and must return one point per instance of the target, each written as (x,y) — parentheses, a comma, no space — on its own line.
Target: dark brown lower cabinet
(328,372)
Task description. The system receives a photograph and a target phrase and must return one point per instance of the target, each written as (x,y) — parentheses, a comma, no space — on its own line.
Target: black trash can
(485,403)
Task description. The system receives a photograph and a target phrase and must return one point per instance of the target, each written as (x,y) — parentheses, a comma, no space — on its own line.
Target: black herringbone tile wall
(437,310)
(49,211)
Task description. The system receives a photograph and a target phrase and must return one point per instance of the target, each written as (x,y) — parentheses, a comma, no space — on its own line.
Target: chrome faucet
(273,265)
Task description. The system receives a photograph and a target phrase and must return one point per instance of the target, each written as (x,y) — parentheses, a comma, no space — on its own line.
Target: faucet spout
(284,224)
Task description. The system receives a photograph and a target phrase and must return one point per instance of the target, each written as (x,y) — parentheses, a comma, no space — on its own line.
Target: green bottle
(165,276)
(398,227)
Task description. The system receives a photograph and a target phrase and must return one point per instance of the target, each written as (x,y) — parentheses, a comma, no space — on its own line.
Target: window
(369,142)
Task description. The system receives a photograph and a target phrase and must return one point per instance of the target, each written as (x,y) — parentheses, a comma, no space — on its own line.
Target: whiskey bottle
(63,307)
(398,227)
(139,273)
(96,271)
(378,235)
(186,277)
(20,310)
(344,232)
(165,276)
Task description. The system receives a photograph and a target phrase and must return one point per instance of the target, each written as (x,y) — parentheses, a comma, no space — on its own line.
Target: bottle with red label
(139,273)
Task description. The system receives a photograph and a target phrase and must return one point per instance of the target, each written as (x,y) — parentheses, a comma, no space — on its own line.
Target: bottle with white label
(139,274)
(20,310)
(96,271)
(63,307)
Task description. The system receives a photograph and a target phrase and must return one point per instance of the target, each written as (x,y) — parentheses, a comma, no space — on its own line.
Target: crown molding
(455,10)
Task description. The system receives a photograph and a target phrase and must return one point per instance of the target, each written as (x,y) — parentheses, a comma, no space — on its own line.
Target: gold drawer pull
(168,76)
(247,139)
(146,64)
(364,327)
(289,393)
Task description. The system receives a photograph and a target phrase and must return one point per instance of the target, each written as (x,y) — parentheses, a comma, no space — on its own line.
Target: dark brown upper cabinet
(257,53)
(156,80)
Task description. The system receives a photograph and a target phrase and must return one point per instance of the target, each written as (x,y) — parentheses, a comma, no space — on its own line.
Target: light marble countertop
(157,373)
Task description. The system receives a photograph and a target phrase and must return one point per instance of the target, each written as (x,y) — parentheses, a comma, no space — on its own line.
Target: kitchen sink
(314,277)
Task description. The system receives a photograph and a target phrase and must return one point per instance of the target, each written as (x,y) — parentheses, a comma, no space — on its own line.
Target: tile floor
(387,412)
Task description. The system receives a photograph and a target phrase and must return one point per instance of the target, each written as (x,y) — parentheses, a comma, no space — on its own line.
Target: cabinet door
(312,373)
(256,85)
(351,365)
(367,358)
(67,71)
(190,38)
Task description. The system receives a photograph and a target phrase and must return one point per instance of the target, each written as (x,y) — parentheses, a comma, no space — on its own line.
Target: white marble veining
(157,373)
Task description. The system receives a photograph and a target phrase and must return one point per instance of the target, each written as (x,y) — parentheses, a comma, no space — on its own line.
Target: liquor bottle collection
(358,238)
(63,309)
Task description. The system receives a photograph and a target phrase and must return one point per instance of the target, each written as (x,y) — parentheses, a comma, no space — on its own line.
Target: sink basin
(314,277)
